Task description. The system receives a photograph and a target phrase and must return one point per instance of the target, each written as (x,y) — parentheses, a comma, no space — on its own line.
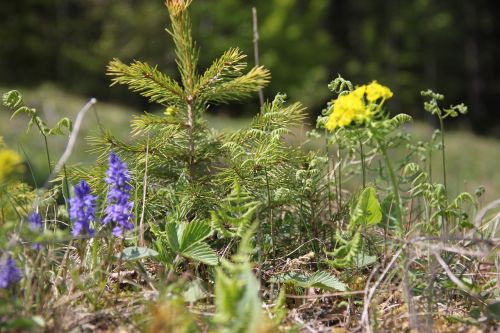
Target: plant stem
(363,167)
(190,124)
(47,153)
(443,156)
(401,232)
(443,153)
(270,214)
(395,188)
(328,179)
(256,49)
(144,184)
(339,178)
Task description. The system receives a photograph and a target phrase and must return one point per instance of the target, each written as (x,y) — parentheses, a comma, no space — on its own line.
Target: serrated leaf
(324,280)
(193,233)
(320,279)
(201,252)
(173,241)
(364,259)
(135,253)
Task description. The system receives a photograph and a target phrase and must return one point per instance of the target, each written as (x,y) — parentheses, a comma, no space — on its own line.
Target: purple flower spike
(9,273)
(35,221)
(119,208)
(82,209)
(36,224)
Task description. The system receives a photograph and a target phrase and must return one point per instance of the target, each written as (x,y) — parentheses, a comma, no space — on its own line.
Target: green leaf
(195,291)
(323,280)
(364,259)
(135,253)
(173,241)
(367,210)
(201,252)
(62,124)
(493,311)
(345,254)
(12,99)
(320,279)
(193,233)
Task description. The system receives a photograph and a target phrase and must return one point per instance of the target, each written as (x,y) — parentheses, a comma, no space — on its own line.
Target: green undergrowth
(469,164)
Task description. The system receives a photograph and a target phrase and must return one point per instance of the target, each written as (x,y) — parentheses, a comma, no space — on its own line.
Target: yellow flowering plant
(357,106)
(10,163)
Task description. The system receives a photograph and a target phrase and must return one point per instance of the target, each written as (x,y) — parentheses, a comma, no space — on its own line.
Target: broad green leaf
(135,252)
(493,311)
(195,291)
(193,233)
(364,259)
(201,252)
(324,280)
(165,254)
(367,210)
(320,279)
(173,241)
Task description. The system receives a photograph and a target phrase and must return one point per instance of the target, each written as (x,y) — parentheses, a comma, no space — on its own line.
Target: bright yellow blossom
(374,91)
(10,162)
(354,107)
(346,109)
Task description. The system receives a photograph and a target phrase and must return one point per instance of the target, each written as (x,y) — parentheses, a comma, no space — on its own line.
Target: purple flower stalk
(9,273)
(119,208)
(82,209)
(36,223)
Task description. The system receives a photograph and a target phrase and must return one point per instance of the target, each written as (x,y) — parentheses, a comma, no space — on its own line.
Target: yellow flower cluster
(374,91)
(357,105)
(10,162)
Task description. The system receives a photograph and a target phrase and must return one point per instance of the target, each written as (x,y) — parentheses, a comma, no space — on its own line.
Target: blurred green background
(57,51)
(448,45)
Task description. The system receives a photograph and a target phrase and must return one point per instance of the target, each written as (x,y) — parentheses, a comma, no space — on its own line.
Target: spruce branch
(241,87)
(226,68)
(148,81)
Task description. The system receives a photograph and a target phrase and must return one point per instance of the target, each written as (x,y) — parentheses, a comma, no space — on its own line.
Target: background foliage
(411,47)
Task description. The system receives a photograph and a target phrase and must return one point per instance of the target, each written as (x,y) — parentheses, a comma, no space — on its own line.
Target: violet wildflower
(36,223)
(119,207)
(9,273)
(82,209)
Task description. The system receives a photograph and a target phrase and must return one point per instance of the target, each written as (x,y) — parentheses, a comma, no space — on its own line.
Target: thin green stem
(443,156)
(46,146)
(395,188)
(48,153)
(328,179)
(443,153)
(363,166)
(339,178)
(400,230)
(66,187)
(270,214)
